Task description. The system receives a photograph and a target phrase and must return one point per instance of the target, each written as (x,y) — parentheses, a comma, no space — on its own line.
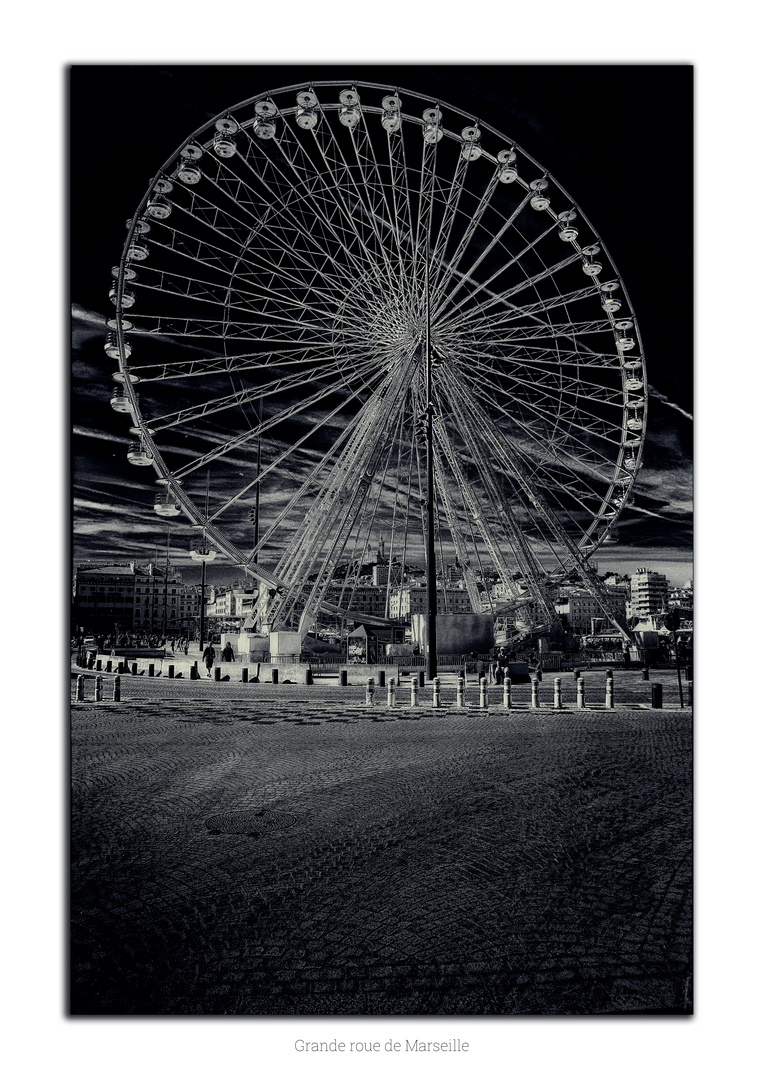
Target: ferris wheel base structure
(347,312)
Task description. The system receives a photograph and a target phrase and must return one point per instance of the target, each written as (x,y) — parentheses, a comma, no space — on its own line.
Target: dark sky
(619,139)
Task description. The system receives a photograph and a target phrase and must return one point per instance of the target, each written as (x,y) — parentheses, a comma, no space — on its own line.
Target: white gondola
(189,174)
(119,400)
(265,129)
(391,121)
(111,348)
(128,273)
(307,119)
(159,207)
(137,251)
(539,201)
(623,344)
(471,150)
(224,145)
(350,115)
(191,152)
(592,267)
(166,506)
(163,186)
(507,166)
(139,454)
(632,385)
(203,554)
(128,297)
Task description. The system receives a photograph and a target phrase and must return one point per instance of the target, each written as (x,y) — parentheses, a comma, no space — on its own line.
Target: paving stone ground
(282,850)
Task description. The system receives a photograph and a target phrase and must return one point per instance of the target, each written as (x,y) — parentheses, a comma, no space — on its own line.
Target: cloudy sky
(619,139)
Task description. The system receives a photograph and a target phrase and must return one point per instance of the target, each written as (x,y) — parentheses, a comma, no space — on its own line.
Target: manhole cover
(250,822)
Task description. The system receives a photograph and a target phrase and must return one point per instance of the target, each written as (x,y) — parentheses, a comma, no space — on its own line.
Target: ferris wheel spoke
(448,271)
(330,210)
(318,375)
(453,321)
(214,257)
(247,436)
(291,356)
(564,387)
(440,242)
(582,456)
(468,275)
(502,512)
(285,242)
(192,289)
(513,261)
(504,451)
(381,197)
(573,415)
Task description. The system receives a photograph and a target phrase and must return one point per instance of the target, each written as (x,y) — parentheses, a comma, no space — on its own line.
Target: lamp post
(432,595)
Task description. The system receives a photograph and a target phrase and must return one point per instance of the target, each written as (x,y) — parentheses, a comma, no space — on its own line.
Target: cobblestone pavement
(261,849)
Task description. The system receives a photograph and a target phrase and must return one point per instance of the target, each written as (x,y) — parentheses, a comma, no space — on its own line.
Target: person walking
(209,659)
(228,655)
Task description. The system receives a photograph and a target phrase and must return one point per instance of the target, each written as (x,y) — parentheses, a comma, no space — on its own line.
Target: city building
(581,613)
(126,596)
(412,600)
(649,595)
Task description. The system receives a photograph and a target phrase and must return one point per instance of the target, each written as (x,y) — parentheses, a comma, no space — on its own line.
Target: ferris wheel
(359,319)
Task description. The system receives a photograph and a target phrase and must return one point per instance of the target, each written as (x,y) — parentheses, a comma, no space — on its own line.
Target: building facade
(121,597)
(649,594)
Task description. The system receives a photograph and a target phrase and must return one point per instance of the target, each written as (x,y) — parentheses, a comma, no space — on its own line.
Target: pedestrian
(185,647)
(209,658)
(228,655)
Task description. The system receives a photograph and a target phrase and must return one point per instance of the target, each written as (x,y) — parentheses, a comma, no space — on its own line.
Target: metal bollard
(98,664)
(380,678)
(391,694)
(421,679)
(414,690)
(134,668)
(483,693)
(274,675)
(577,674)
(657,695)
(120,668)
(507,693)
(98,689)
(309,677)
(460,692)
(108,665)
(609,693)
(436,693)
(534,693)
(558,693)
(609,673)
(580,694)
(151,671)
(80,696)
(645,674)
(217,674)
(343,677)
(245,674)
(369,691)
(689,694)
(117,689)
